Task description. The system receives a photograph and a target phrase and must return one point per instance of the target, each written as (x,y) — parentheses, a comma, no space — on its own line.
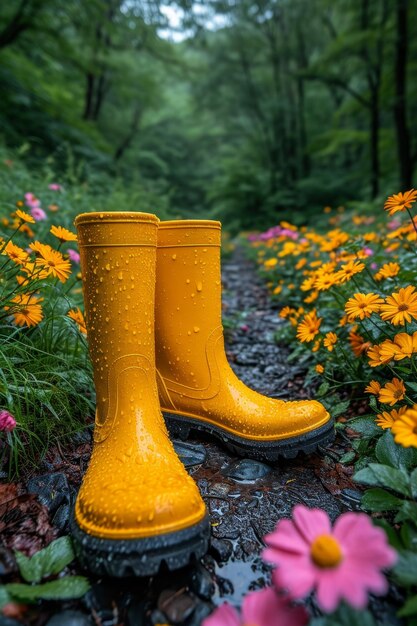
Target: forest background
(245,111)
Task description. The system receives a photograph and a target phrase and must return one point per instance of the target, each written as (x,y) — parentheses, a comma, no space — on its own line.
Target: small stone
(191,454)
(201,582)
(202,611)
(221,549)
(62,517)
(352,498)
(52,490)
(246,470)
(69,618)
(176,606)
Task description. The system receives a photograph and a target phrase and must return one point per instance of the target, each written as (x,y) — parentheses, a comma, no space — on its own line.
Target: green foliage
(281,107)
(46,563)
(51,560)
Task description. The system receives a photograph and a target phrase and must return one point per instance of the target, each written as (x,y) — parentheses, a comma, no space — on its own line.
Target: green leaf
(380,500)
(340,408)
(391,533)
(373,403)
(323,389)
(412,386)
(378,475)
(413,481)
(390,453)
(345,616)
(62,589)
(406,569)
(365,426)
(409,608)
(348,457)
(4,596)
(408,511)
(51,560)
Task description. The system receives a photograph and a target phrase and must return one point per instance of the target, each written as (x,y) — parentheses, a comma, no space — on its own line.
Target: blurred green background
(249,112)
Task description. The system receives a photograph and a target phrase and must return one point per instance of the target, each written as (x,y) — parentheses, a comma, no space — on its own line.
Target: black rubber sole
(181,426)
(123,558)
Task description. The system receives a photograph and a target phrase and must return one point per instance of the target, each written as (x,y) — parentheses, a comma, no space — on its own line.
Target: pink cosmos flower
(260,608)
(38,214)
(7,422)
(374,266)
(368,251)
(55,187)
(73,255)
(342,563)
(393,224)
(31,200)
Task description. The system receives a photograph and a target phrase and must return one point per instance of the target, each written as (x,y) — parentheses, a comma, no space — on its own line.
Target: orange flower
(325,281)
(63,234)
(285,312)
(373,387)
(392,392)
(330,341)
(375,357)
(78,317)
(388,270)
(26,309)
(350,269)
(386,419)
(404,428)
(400,201)
(362,305)
(312,297)
(54,263)
(16,254)
(25,217)
(309,327)
(358,343)
(319,368)
(400,307)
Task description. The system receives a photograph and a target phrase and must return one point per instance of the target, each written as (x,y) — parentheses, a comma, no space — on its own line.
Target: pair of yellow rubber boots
(152,293)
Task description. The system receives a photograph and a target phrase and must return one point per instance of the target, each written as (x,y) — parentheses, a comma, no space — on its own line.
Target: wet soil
(245,498)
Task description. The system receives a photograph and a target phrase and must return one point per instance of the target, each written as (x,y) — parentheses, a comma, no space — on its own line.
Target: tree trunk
(400,105)
(374,141)
(134,127)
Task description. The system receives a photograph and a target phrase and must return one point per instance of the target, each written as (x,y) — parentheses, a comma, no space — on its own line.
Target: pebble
(221,549)
(201,583)
(176,606)
(191,454)
(52,490)
(69,618)
(246,470)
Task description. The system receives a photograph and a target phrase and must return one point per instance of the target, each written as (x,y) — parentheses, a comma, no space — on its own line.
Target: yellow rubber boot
(197,387)
(137,506)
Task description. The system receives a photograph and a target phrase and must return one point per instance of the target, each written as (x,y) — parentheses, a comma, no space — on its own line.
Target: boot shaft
(188,298)
(118,263)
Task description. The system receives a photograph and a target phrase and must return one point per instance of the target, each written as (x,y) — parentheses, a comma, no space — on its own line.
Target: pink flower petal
(330,589)
(286,537)
(360,538)
(311,522)
(224,615)
(266,608)
(297,577)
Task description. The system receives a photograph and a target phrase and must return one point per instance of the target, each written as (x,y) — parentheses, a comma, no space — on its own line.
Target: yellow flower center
(326,551)
(403,307)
